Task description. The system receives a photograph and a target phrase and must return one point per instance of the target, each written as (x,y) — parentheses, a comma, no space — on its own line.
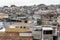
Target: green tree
(21,15)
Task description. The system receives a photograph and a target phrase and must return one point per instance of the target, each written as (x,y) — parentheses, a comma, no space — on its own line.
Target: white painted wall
(25,34)
(11,26)
(2,30)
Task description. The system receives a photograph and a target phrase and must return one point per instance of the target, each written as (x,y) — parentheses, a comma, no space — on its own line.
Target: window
(47,32)
(20,21)
(55,20)
(39,22)
(26,21)
(38,29)
(17,26)
(24,27)
(21,27)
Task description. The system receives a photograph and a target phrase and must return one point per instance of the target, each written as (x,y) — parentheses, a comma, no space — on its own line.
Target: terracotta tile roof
(20,24)
(16,30)
(3,15)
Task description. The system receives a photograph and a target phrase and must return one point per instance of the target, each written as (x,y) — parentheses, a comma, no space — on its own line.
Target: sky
(27,2)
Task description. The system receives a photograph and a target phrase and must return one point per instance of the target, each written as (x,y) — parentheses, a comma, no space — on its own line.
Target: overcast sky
(27,2)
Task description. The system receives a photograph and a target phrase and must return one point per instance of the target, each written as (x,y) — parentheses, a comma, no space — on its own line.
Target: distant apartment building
(30,22)
(49,32)
(3,17)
